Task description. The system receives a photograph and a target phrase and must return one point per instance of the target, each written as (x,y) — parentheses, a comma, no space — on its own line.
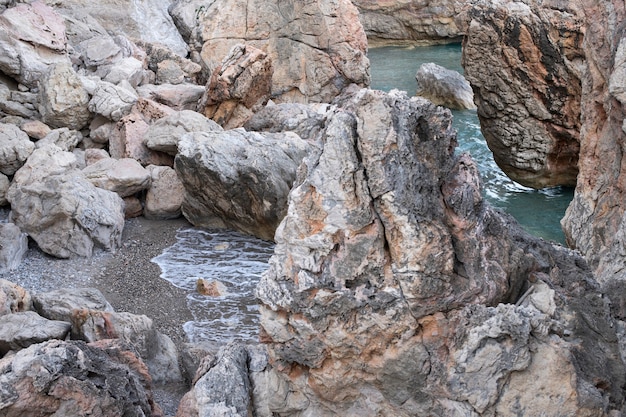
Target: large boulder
(316,47)
(164,198)
(523,61)
(59,304)
(112,101)
(123,176)
(74,378)
(238,179)
(444,87)
(32,38)
(15,148)
(53,202)
(396,290)
(22,329)
(393,22)
(13,246)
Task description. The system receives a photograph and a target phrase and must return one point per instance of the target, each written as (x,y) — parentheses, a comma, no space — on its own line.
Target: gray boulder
(444,87)
(164,198)
(15,148)
(60,209)
(238,179)
(13,246)
(112,101)
(4,188)
(164,134)
(63,137)
(13,298)
(59,304)
(22,329)
(123,176)
(307,121)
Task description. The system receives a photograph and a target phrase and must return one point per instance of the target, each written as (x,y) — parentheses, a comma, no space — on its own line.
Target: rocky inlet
(394,289)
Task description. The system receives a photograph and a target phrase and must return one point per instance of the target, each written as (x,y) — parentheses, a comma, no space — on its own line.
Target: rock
(35,129)
(15,148)
(210,288)
(132,207)
(164,198)
(63,138)
(99,51)
(238,179)
(238,86)
(156,349)
(18,103)
(444,87)
(395,287)
(94,155)
(184,14)
(13,246)
(130,69)
(529,108)
(316,47)
(157,54)
(4,189)
(59,304)
(169,72)
(179,97)
(22,329)
(148,21)
(224,389)
(301,119)
(63,101)
(164,134)
(397,22)
(123,176)
(128,138)
(13,298)
(112,101)
(60,209)
(73,378)
(32,37)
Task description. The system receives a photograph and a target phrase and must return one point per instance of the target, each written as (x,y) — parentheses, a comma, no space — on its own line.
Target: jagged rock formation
(395,290)
(395,22)
(529,108)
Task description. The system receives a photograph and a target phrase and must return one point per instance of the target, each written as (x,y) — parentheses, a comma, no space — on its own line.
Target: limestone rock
(238,179)
(130,69)
(406,21)
(59,304)
(15,148)
(13,298)
(444,87)
(156,349)
(112,101)
(13,246)
(316,47)
(395,287)
(169,72)
(60,209)
(179,97)
(32,37)
(164,198)
(529,108)
(63,101)
(300,119)
(238,86)
(164,134)
(63,138)
(35,129)
(73,378)
(4,189)
(145,20)
(123,176)
(22,329)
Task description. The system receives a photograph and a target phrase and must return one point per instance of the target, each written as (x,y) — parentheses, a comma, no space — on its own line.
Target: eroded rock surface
(444,87)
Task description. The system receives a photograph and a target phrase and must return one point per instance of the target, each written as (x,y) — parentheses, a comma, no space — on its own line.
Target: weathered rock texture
(525,63)
(238,179)
(316,47)
(392,22)
(444,87)
(395,290)
(13,246)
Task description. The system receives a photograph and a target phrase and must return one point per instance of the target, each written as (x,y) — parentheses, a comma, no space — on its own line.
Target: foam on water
(235,260)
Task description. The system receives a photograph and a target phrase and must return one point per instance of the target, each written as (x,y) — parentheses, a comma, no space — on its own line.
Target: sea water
(237,261)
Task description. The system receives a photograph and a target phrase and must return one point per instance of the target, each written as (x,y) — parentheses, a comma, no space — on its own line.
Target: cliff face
(549,81)
(525,63)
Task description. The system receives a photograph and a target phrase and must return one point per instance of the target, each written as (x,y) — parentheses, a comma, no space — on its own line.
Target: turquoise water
(538,211)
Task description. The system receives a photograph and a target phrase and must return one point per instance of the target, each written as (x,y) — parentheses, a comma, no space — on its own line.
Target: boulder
(60,209)
(60,304)
(523,61)
(164,134)
(32,38)
(123,176)
(63,101)
(164,198)
(13,298)
(238,179)
(395,287)
(35,129)
(13,246)
(112,101)
(63,138)
(18,103)
(183,96)
(157,55)
(130,69)
(240,85)
(316,47)
(301,119)
(73,378)
(169,72)
(145,20)
(15,148)
(156,349)
(4,189)
(406,21)
(444,87)
(22,329)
